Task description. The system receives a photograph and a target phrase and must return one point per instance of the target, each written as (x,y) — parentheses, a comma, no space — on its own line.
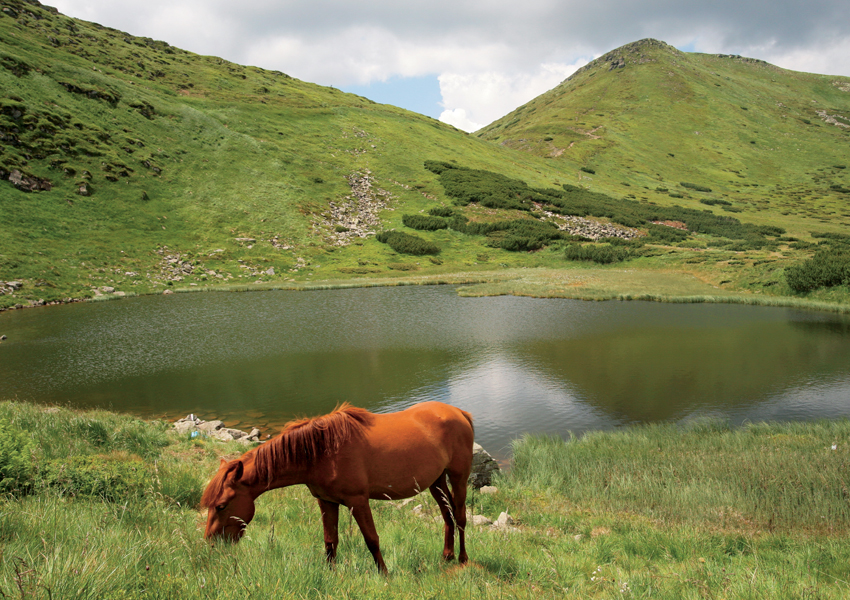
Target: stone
(481,520)
(270,271)
(167,292)
(107,289)
(209,426)
(488,489)
(483,467)
(184,426)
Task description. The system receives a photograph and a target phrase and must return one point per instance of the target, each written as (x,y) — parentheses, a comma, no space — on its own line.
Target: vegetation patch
(423,222)
(405,243)
(600,254)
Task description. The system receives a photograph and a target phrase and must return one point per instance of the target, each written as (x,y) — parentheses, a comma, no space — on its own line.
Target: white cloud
(473,100)
(490,55)
(458,118)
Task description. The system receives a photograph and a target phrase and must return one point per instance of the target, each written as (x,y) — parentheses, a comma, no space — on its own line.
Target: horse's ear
(222,463)
(234,471)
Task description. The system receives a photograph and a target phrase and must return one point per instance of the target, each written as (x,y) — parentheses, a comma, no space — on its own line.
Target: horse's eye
(221,507)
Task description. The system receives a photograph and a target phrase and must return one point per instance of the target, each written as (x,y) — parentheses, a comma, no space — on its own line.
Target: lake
(518,364)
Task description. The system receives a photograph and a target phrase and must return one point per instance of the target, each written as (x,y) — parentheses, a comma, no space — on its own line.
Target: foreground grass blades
(699,511)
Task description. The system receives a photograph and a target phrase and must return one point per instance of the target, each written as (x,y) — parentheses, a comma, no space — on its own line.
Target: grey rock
(481,520)
(488,489)
(209,426)
(483,467)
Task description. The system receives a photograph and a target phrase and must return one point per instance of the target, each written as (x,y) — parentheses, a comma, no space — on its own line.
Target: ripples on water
(518,364)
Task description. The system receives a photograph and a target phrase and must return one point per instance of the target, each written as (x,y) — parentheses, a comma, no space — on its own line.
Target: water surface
(518,364)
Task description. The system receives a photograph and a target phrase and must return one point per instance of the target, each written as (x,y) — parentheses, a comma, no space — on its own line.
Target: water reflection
(518,364)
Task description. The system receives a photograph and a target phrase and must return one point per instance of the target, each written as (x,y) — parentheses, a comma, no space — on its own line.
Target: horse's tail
(468,417)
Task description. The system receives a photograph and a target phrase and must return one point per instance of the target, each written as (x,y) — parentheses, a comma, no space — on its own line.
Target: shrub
(423,223)
(599,254)
(827,268)
(16,459)
(714,201)
(404,243)
(110,477)
(588,170)
(441,211)
(695,187)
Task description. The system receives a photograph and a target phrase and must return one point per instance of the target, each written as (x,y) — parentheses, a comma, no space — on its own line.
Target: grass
(693,511)
(188,156)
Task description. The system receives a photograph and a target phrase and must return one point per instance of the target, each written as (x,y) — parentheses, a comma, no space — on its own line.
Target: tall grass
(631,514)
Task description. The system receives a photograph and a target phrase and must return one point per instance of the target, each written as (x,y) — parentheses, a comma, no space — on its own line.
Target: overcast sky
(469,62)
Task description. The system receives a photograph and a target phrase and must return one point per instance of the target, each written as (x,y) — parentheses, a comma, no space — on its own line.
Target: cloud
(475,99)
(489,54)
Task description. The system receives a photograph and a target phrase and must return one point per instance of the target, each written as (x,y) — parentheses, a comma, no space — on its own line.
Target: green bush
(588,170)
(602,254)
(714,201)
(16,459)
(110,477)
(441,211)
(423,223)
(827,268)
(695,187)
(404,243)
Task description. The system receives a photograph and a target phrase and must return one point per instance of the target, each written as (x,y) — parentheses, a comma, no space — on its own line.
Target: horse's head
(229,502)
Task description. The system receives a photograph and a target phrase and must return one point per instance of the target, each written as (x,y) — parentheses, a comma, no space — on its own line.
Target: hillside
(119,153)
(645,117)
(128,165)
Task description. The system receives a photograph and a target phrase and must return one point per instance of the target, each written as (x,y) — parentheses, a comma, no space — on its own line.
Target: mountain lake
(519,365)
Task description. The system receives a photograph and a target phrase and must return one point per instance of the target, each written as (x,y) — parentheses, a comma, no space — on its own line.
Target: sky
(470,62)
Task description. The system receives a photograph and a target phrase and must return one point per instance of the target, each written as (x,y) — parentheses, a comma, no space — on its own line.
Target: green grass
(692,511)
(187,155)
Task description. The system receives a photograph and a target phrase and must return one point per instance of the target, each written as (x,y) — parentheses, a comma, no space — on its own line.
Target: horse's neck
(258,484)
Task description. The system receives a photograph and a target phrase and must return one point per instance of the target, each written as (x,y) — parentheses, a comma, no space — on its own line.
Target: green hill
(646,117)
(129,165)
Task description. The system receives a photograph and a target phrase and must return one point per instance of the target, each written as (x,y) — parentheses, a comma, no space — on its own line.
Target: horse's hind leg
(330,522)
(440,491)
(459,481)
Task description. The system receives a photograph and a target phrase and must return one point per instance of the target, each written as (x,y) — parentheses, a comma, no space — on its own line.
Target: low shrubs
(17,467)
(405,243)
(112,478)
(423,223)
(441,211)
(829,267)
(695,187)
(600,254)
(715,201)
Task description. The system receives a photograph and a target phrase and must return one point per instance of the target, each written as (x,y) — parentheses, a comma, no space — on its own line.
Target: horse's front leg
(363,515)
(330,522)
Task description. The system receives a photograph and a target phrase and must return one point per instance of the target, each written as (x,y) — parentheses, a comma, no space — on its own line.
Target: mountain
(121,154)
(646,117)
(128,165)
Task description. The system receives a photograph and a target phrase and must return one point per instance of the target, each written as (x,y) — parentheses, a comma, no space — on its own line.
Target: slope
(645,118)
(127,163)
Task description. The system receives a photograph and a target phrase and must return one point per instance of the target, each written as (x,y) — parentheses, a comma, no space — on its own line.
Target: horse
(348,457)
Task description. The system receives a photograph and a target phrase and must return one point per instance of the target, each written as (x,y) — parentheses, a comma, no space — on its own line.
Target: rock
(505,522)
(184,426)
(488,489)
(106,289)
(119,294)
(270,271)
(483,467)
(167,292)
(210,426)
(3,338)
(481,520)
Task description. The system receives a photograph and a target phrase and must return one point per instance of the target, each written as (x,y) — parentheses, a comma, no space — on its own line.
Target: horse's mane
(305,440)
(301,441)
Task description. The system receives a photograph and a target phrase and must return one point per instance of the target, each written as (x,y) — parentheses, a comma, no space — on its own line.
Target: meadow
(697,510)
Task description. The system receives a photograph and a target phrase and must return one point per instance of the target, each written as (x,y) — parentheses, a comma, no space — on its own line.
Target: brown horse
(347,458)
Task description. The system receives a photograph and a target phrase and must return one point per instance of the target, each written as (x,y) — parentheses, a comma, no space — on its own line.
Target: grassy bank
(700,511)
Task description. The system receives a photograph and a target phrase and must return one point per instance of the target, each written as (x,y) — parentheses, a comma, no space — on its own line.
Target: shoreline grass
(666,511)
(592,284)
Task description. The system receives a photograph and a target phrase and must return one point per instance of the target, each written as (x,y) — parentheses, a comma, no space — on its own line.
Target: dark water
(518,364)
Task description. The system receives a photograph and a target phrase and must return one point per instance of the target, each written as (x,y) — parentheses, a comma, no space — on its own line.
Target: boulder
(210,426)
(483,467)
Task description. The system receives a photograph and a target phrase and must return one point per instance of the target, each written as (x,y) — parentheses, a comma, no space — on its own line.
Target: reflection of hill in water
(667,373)
(269,391)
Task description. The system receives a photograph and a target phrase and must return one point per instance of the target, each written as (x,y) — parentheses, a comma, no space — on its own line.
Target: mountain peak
(635,52)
